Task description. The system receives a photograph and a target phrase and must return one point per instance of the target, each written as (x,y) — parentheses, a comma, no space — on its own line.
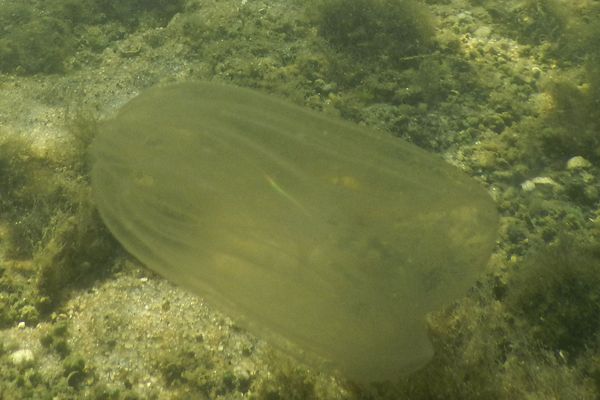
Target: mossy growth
(569,31)
(52,241)
(556,293)
(581,37)
(569,124)
(530,21)
(376,29)
(42,38)
(74,370)
(21,169)
(18,298)
(77,252)
(51,232)
(129,13)
(33,43)
(71,376)
(287,383)
(56,339)
(202,373)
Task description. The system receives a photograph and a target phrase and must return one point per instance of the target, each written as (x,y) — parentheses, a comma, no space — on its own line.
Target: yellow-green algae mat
(328,239)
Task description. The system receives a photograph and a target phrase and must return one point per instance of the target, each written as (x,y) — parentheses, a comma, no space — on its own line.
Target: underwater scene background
(507,91)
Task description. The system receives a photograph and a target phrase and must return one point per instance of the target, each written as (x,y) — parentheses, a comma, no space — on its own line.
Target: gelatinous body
(330,240)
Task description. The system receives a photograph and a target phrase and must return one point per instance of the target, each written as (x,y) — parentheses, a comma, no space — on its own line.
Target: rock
(539,182)
(527,186)
(244,370)
(22,357)
(483,32)
(578,162)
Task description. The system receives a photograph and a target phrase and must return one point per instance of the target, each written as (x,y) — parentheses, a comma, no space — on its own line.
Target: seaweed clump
(571,124)
(48,38)
(557,295)
(376,29)
(33,43)
(51,233)
(530,21)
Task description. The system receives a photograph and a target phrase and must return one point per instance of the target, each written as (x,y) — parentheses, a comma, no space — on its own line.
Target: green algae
(50,38)
(52,237)
(379,29)
(331,240)
(557,294)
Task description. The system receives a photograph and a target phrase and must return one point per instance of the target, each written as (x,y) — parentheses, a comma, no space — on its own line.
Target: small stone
(541,181)
(485,159)
(527,186)
(244,370)
(544,181)
(22,357)
(578,162)
(483,32)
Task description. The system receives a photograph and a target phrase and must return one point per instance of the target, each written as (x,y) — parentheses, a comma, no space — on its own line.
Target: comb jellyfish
(330,240)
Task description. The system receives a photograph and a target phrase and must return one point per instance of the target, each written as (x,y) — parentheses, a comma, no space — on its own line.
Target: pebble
(527,186)
(483,32)
(542,181)
(578,162)
(22,357)
(244,370)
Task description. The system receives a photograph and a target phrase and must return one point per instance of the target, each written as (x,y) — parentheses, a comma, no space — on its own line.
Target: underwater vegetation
(572,125)
(557,294)
(567,32)
(52,243)
(51,230)
(305,228)
(385,66)
(531,21)
(383,30)
(380,42)
(561,121)
(32,44)
(565,125)
(45,38)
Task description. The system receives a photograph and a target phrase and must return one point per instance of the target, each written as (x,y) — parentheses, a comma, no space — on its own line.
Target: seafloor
(508,91)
